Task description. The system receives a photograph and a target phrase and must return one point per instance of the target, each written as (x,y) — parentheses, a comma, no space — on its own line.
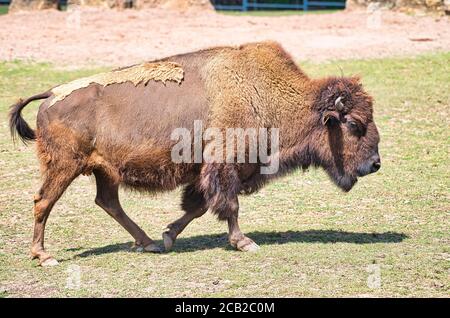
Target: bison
(118,125)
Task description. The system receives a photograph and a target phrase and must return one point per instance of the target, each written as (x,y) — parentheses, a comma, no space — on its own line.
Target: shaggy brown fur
(121,134)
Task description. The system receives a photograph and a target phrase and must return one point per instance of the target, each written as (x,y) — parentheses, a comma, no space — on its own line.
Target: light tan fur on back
(142,73)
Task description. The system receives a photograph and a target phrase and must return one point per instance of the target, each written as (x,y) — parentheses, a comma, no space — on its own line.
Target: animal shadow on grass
(211,241)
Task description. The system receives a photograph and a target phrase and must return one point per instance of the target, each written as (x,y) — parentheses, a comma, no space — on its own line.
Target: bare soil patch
(110,37)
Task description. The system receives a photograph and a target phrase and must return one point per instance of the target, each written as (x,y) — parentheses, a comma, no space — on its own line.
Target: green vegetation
(315,240)
(3,9)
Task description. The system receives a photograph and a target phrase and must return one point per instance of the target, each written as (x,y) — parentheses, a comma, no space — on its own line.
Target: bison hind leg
(108,199)
(57,176)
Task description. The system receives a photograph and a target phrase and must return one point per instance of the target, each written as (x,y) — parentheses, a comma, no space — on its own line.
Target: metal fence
(246,5)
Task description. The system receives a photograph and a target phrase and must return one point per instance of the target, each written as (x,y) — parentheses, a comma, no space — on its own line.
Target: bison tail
(17,125)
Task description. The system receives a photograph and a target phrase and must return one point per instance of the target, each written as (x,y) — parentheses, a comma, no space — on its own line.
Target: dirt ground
(102,37)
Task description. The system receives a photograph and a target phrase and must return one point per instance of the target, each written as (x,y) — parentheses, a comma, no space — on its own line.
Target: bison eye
(353,126)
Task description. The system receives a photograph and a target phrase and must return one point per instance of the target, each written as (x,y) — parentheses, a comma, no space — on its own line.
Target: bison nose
(376,165)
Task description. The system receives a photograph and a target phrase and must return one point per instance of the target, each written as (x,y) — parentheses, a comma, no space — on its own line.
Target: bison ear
(329,117)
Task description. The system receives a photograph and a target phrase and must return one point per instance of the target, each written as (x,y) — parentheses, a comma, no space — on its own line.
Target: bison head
(347,140)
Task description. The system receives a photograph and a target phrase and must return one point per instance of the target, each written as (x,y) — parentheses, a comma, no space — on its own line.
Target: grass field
(315,240)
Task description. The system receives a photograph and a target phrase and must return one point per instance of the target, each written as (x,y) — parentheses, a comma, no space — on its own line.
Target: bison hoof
(49,262)
(168,241)
(152,248)
(246,245)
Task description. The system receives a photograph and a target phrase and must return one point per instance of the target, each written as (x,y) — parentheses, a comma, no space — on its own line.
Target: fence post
(244,5)
(305,5)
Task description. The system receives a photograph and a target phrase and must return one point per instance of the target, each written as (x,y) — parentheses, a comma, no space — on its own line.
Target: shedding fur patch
(142,73)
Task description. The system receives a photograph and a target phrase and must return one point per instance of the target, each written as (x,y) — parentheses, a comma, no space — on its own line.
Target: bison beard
(117,126)
(338,175)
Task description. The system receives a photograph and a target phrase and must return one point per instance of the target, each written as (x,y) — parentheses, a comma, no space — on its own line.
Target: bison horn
(338,103)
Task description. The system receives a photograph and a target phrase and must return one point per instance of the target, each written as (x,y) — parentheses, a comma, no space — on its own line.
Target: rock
(28,5)
(403,5)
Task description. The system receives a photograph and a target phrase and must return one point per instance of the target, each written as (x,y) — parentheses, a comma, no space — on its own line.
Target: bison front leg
(193,203)
(237,239)
(221,185)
